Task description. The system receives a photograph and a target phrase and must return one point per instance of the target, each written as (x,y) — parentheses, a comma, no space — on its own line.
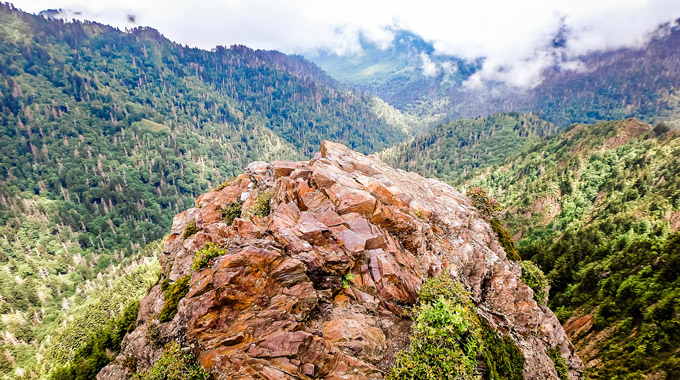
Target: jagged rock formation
(275,306)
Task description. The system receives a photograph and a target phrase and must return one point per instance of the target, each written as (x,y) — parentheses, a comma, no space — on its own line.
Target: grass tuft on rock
(560,365)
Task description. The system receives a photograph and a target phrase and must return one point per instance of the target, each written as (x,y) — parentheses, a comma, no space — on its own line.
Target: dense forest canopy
(105,135)
(597,208)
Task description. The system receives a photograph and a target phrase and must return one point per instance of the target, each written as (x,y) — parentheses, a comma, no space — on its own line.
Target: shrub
(441,287)
(347,279)
(488,207)
(262,205)
(661,128)
(173,295)
(560,365)
(534,278)
(175,365)
(448,338)
(443,346)
(231,212)
(190,229)
(504,360)
(206,256)
(505,240)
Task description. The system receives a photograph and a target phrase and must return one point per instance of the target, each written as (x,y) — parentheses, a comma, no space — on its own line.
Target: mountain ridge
(610,85)
(312,277)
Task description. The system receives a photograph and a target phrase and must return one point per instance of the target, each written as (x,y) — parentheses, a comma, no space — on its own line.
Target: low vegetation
(190,229)
(206,256)
(175,364)
(449,339)
(487,206)
(231,212)
(533,276)
(262,205)
(560,365)
(505,240)
(347,279)
(176,291)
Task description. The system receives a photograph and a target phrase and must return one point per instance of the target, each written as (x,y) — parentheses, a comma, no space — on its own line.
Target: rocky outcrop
(320,287)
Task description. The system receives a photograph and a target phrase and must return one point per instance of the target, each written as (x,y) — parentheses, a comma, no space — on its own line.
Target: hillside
(597,207)
(452,151)
(406,74)
(105,135)
(639,82)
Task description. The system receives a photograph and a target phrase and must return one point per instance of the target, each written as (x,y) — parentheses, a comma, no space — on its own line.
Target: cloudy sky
(513,36)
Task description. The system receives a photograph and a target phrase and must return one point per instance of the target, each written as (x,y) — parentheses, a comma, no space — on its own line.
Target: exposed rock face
(275,307)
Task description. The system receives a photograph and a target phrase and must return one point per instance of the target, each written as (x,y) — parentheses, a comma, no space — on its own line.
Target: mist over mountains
(602,85)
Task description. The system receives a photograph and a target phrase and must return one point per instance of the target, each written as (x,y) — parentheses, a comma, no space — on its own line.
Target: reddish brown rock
(348,200)
(284,168)
(280,303)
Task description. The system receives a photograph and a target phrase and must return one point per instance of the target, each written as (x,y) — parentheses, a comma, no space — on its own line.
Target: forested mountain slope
(597,207)
(454,150)
(105,135)
(406,74)
(639,82)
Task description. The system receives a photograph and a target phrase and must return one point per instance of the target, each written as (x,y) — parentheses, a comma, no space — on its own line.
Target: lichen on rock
(320,286)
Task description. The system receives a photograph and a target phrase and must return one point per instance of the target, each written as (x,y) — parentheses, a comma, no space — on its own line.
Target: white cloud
(514,36)
(430,68)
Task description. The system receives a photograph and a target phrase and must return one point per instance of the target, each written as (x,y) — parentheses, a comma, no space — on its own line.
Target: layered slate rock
(320,288)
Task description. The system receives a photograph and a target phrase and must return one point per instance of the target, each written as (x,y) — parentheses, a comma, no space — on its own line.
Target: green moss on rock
(560,365)
(173,295)
(190,229)
(505,240)
(503,359)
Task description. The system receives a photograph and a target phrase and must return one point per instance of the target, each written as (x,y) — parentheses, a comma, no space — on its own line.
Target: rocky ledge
(318,269)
